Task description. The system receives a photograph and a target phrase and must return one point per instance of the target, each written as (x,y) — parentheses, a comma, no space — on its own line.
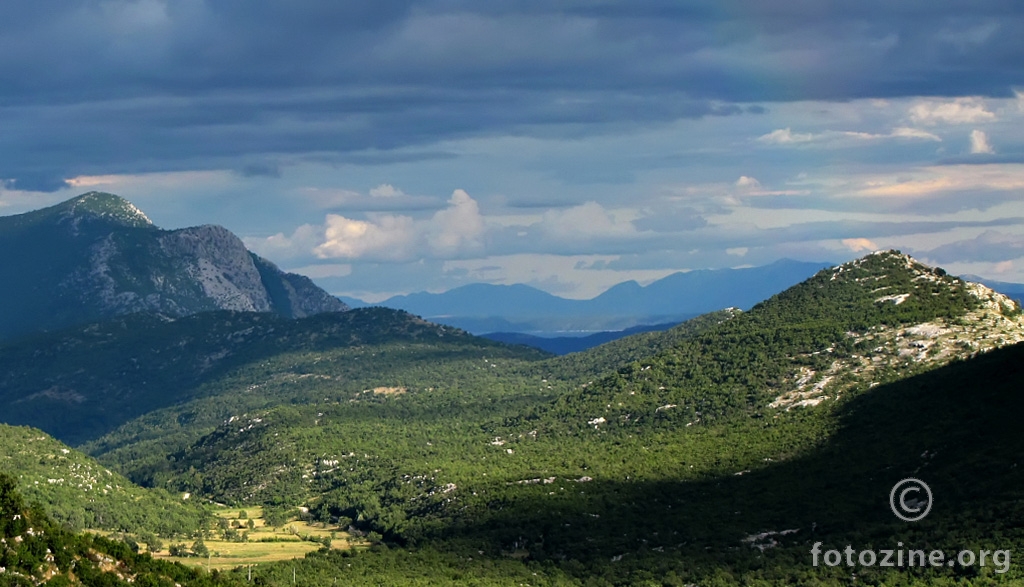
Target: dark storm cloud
(89,87)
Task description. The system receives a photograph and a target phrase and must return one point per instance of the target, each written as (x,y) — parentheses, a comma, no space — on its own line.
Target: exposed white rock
(896,299)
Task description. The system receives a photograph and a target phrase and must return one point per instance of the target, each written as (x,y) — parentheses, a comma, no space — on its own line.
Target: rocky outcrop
(995,321)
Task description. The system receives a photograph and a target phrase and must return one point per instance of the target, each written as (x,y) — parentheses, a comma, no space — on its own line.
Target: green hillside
(617,354)
(612,471)
(35,551)
(843,329)
(954,427)
(717,453)
(85,382)
(78,492)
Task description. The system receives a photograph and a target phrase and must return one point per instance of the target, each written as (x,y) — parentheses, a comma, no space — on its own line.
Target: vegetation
(80,493)
(34,550)
(461,461)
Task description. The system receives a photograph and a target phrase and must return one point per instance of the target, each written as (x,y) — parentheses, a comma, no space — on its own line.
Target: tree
(199,548)
(178,550)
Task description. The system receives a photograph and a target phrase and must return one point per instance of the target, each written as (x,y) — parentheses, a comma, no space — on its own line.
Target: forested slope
(80,493)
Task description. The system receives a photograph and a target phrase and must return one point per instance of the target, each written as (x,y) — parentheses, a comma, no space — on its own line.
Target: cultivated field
(264,544)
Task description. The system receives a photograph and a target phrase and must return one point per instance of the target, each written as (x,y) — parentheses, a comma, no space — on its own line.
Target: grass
(265,544)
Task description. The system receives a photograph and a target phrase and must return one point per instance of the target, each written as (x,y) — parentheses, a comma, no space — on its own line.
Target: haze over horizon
(401,147)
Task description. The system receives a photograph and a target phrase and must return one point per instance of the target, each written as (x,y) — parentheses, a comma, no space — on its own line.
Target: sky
(393,146)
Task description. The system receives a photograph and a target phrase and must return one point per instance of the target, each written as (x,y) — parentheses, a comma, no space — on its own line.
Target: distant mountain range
(562,345)
(483,308)
(98,256)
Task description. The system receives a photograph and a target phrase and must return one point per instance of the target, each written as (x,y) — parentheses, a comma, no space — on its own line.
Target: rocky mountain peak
(97,256)
(104,206)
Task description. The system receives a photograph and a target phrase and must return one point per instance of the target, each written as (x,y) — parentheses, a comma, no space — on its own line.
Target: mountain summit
(873,320)
(98,256)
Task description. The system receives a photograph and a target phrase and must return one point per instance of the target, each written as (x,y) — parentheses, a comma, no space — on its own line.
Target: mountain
(98,256)
(717,456)
(481,308)
(877,319)
(561,345)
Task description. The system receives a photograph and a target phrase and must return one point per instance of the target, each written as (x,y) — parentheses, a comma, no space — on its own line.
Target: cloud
(383,198)
(458,229)
(455,231)
(220,85)
(839,138)
(785,136)
(280,246)
(990,246)
(959,111)
(913,133)
(859,244)
(980,144)
(386,190)
(586,221)
(929,181)
(383,237)
(745,182)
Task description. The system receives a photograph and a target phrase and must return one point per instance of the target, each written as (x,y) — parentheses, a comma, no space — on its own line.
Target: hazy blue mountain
(98,256)
(483,308)
(354,302)
(562,345)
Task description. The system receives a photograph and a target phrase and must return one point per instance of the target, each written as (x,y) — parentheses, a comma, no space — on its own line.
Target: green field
(265,543)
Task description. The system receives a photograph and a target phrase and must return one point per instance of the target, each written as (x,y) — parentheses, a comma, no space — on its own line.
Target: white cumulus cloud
(383,236)
(458,228)
(452,232)
(386,190)
(913,133)
(840,138)
(959,111)
(746,182)
(859,244)
(980,144)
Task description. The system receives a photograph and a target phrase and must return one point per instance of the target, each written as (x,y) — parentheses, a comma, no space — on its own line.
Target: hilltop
(97,256)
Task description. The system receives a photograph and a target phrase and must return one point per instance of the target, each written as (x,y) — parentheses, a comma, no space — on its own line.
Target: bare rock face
(222,266)
(98,256)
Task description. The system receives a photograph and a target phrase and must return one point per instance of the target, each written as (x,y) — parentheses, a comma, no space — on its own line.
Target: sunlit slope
(77,491)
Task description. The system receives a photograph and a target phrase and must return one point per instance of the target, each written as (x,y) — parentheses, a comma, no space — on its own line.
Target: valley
(373,446)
